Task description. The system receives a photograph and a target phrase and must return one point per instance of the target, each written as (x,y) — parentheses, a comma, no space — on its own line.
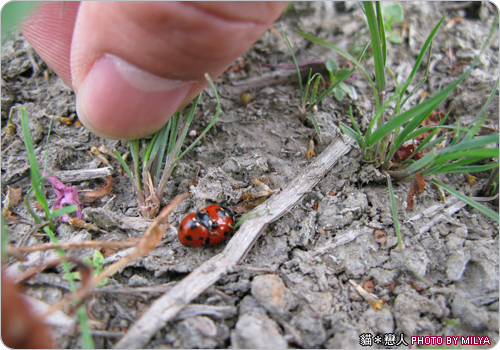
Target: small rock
(469,314)
(271,293)
(200,332)
(137,281)
(250,305)
(311,329)
(257,332)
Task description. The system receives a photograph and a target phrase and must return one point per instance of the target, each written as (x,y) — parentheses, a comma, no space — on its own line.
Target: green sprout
(334,71)
(97,263)
(393,13)
(312,85)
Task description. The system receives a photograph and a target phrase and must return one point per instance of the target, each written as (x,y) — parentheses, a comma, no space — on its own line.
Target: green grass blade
(212,122)
(381,29)
(421,56)
(65,210)
(306,90)
(134,150)
(376,46)
(419,84)
(146,157)
(316,127)
(423,162)
(45,162)
(466,169)
(346,129)
(35,174)
(162,142)
(319,78)
(174,131)
(410,127)
(484,153)
(295,62)
(188,120)
(380,111)
(125,167)
(477,142)
(486,211)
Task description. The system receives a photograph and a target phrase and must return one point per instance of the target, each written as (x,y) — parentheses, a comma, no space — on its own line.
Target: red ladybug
(208,226)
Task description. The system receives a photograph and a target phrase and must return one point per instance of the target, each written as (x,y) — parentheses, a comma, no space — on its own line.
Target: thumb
(133,65)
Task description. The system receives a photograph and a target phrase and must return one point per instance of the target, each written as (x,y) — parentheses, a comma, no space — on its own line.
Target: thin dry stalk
(171,303)
(147,243)
(69,245)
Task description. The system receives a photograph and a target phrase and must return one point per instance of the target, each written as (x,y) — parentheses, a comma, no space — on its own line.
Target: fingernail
(120,101)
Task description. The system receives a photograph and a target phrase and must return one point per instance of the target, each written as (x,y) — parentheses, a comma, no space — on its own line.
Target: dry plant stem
(82,174)
(146,244)
(83,268)
(171,303)
(86,244)
(148,241)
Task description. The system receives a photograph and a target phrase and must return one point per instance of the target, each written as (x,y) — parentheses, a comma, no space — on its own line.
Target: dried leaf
(417,187)
(8,216)
(86,225)
(67,120)
(470,178)
(91,196)
(310,150)
(368,286)
(108,251)
(253,199)
(391,286)
(11,200)
(415,286)
(94,150)
(405,151)
(440,192)
(14,195)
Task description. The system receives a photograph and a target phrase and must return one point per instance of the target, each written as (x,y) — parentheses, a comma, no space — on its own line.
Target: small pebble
(380,236)
(257,332)
(270,291)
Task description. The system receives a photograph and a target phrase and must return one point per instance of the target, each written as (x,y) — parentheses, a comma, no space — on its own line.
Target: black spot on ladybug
(203,218)
(207,241)
(189,238)
(227,233)
(181,228)
(201,238)
(192,225)
(215,225)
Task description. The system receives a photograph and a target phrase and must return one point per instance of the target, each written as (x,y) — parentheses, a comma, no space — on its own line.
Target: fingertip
(120,101)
